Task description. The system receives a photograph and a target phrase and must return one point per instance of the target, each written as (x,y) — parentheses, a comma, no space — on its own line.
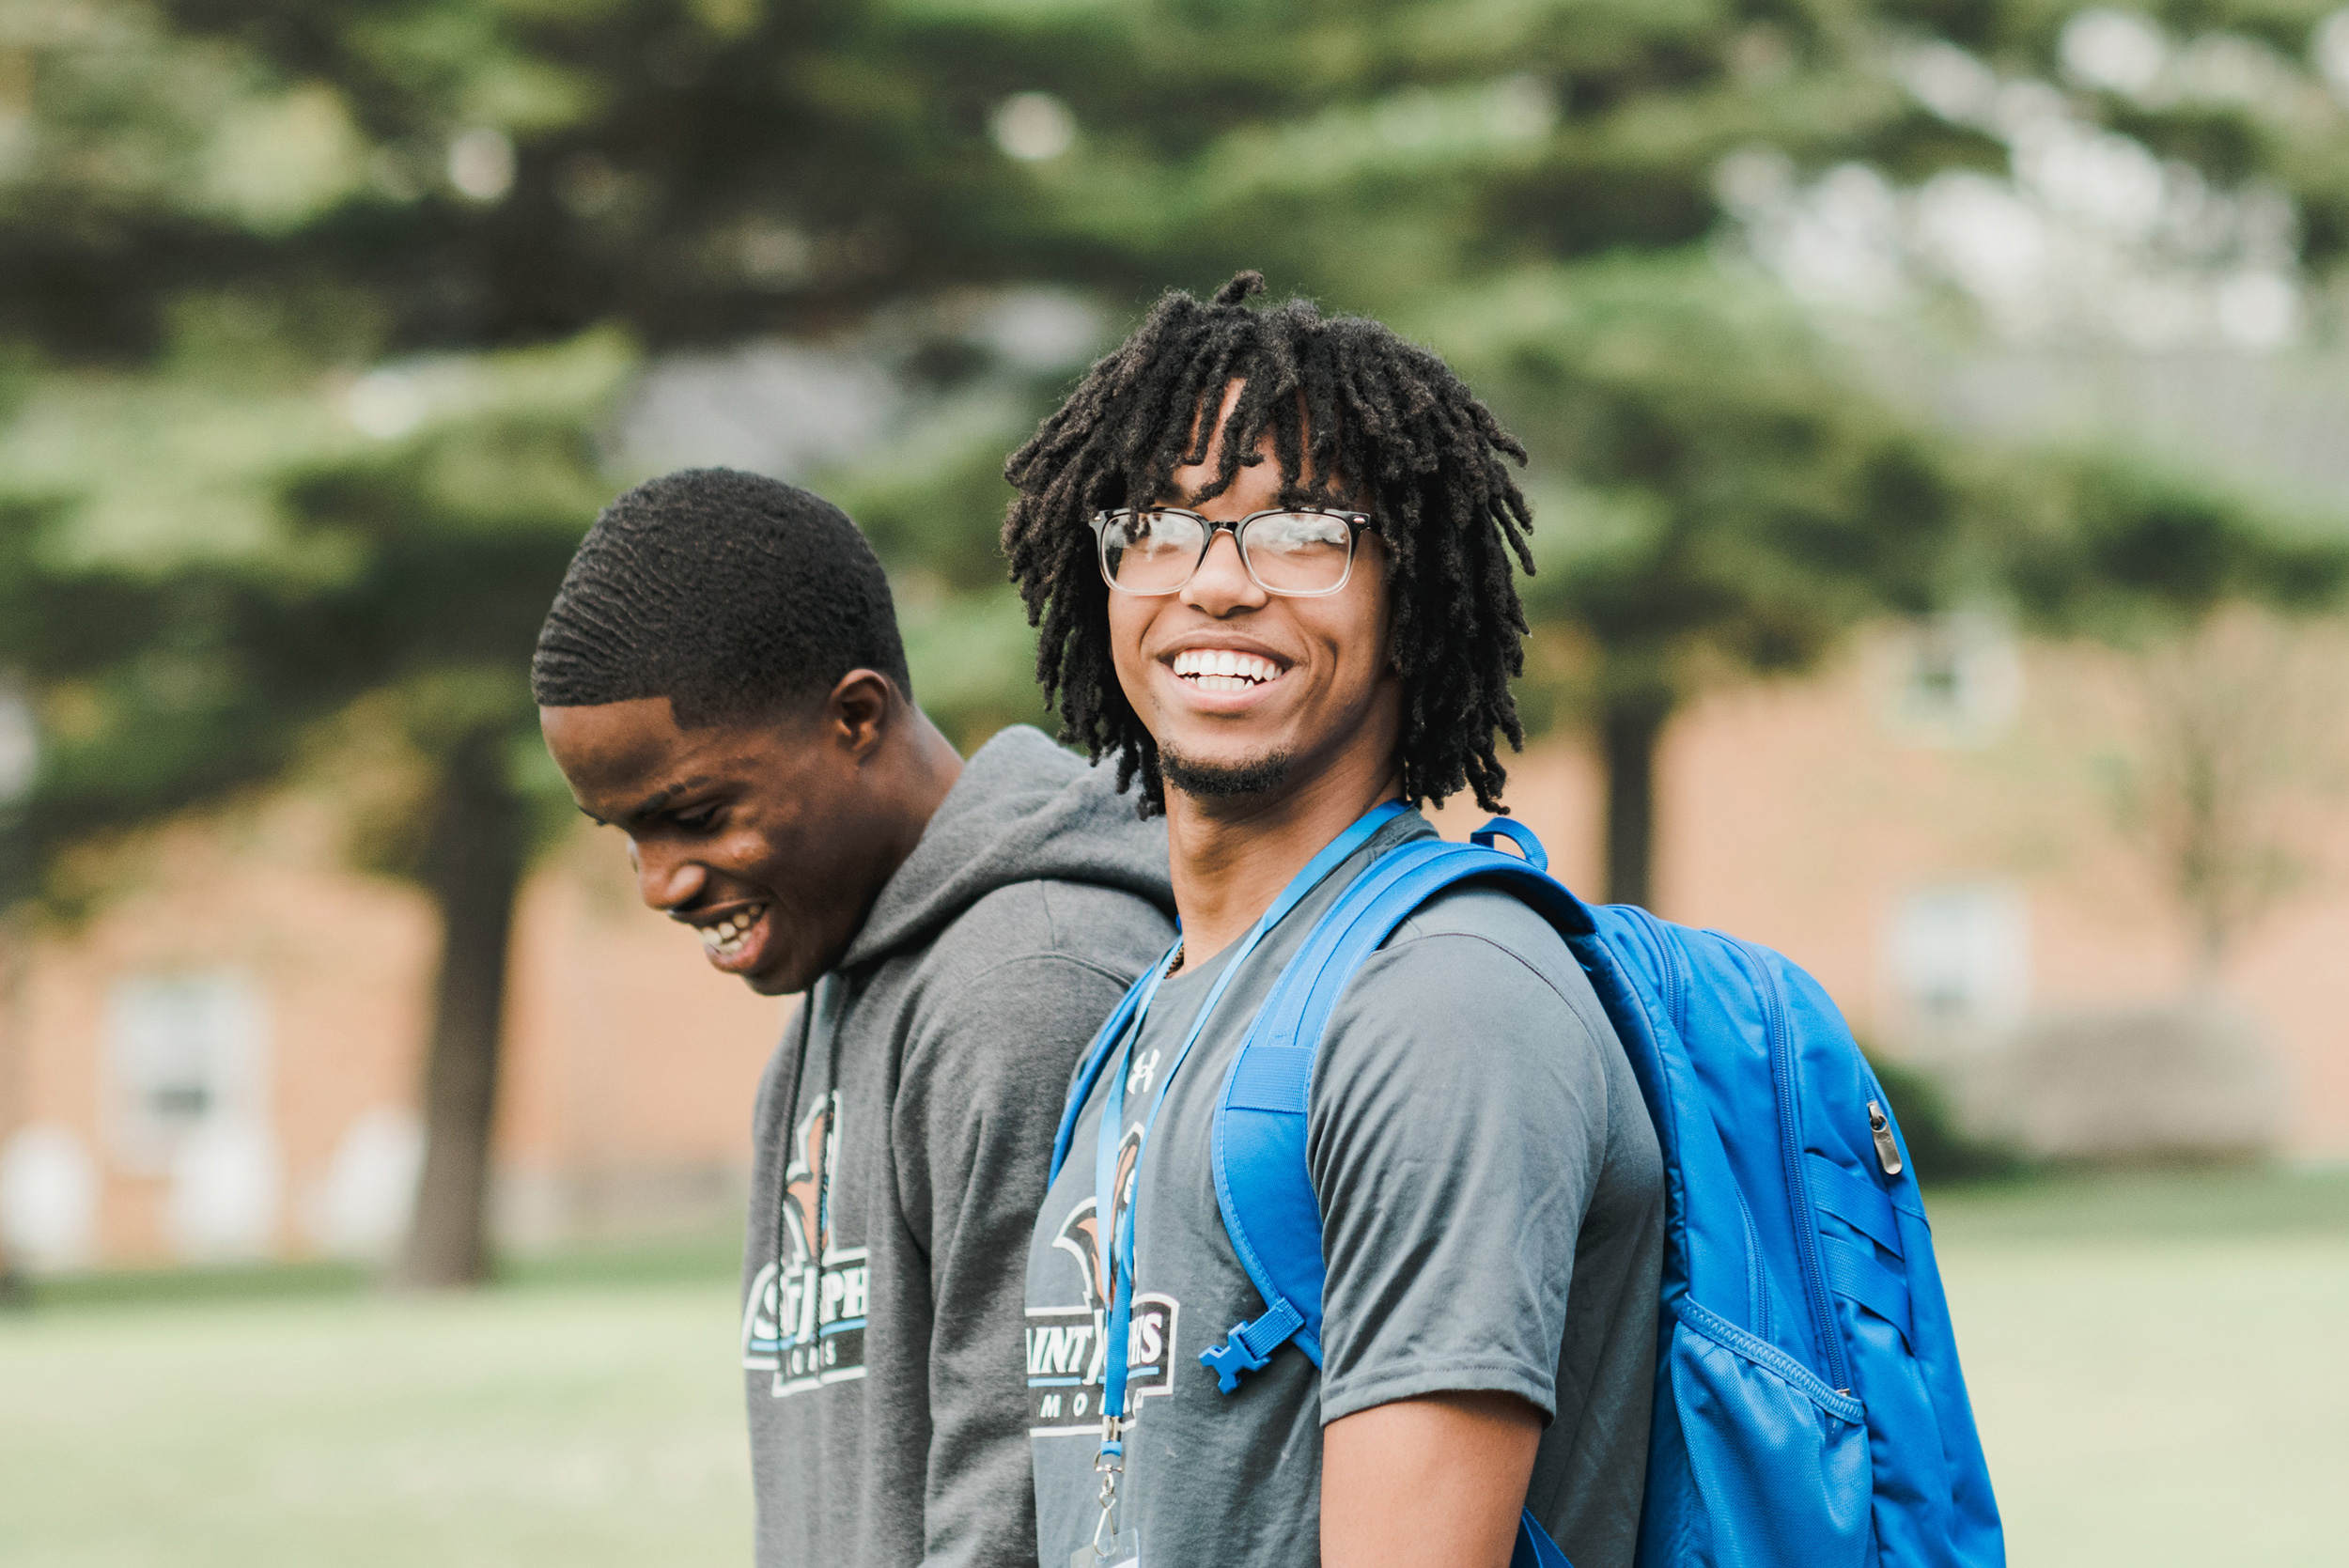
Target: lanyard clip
(1109,1464)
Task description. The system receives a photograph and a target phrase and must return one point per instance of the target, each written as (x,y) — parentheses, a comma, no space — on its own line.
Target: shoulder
(1032,969)
(1082,925)
(1486,913)
(1474,982)
(1469,938)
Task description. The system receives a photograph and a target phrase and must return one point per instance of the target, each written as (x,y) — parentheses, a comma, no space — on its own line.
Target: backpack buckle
(1250,1345)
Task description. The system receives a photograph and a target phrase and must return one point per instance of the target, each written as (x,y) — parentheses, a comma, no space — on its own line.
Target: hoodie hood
(1024,809)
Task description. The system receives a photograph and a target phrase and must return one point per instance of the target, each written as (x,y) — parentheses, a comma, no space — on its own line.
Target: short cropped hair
(1376,422)
(732,594)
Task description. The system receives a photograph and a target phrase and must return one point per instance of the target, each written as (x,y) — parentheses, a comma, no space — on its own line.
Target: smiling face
(755,834)
(1247,694)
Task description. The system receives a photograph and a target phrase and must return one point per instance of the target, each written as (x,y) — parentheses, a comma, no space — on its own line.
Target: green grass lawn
(581,1417)
(2158,1365)
(2155,1360)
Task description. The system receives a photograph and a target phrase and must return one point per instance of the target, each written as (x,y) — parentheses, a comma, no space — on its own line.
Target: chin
(780,981)
(1221,777)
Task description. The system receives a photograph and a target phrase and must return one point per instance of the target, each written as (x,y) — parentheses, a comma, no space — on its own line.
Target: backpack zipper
(1757,1277)
(1888,1152)
(1790,1150)
(1676,983)
(1668,958)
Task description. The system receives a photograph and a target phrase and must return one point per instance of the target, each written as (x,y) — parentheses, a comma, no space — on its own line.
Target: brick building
(224,1063)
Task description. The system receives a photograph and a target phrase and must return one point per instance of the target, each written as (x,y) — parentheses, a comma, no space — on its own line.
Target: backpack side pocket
(1779,1461)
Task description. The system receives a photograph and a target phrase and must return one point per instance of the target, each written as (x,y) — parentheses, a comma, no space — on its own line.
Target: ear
(858,712)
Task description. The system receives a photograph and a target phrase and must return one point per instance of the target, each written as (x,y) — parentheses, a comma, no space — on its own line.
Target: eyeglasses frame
(1356,523)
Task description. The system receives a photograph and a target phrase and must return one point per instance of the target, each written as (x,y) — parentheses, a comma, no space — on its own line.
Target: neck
(923,765)
(1231,856)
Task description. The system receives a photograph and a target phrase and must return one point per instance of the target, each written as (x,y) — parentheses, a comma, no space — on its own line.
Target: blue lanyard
(1112,1129)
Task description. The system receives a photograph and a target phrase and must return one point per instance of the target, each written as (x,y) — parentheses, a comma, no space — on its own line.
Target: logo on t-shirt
(1067,1346)
(804,1318)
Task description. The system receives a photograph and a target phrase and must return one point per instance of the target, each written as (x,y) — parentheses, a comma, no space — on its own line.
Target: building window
(184,1053)
(1948,680)
(363,1207)
(48,1198)
(1959,956)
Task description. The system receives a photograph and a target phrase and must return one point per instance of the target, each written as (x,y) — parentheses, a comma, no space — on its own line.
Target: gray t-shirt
(1492,1202)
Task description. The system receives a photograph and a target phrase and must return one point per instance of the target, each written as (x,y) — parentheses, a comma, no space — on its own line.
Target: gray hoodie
(903,1134)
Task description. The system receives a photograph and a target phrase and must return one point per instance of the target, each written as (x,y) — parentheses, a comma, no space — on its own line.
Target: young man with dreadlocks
(1271,555)
(722,680)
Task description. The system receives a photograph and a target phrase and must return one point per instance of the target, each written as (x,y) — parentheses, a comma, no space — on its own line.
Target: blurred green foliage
(208,576)
(316,316)
(1714,493)
(215,217)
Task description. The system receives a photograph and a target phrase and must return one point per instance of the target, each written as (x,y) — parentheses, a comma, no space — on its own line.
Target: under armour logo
(1145,1068)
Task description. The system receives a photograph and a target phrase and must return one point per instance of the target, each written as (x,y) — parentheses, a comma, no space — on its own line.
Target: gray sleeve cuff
(1349,1395)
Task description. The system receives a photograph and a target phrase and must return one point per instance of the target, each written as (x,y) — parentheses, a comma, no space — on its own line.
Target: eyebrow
(1189,499)
(652,805)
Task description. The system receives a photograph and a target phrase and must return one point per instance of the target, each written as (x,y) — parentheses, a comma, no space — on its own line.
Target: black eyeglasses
(1295,551)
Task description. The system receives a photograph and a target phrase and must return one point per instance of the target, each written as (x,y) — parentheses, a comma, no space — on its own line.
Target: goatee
(1213,780)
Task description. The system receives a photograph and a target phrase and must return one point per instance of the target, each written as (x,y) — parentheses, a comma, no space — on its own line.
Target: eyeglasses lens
(1299,553)
(1150,552)
(1289,552)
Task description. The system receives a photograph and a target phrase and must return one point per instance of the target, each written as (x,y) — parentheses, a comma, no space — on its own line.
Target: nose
(1221,585)
(666,879)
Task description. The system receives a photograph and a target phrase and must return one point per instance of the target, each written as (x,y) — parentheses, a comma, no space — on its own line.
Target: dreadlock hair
(1376,422)
(731,595)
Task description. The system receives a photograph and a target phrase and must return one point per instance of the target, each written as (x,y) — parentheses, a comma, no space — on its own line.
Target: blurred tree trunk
(14,937)
(1630,727)
(474,854)
(16,886)
(2235,712)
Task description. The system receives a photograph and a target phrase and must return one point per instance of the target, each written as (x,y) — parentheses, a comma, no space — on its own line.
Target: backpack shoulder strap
(1262,1185)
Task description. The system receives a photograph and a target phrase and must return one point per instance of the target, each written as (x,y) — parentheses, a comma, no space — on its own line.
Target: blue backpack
(1808,1408)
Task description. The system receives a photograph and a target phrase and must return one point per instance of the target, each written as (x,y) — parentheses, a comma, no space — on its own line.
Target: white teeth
(1225,668)
(726,939)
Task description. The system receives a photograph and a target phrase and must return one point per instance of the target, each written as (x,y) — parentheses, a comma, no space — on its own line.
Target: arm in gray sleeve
(1457,1125)
(982,1100)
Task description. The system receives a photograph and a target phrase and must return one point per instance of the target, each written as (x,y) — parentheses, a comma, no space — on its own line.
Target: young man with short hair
(1270,555)
(722,678)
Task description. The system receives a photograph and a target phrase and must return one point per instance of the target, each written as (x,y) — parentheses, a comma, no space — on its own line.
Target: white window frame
(199,1033)
(1969,941)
